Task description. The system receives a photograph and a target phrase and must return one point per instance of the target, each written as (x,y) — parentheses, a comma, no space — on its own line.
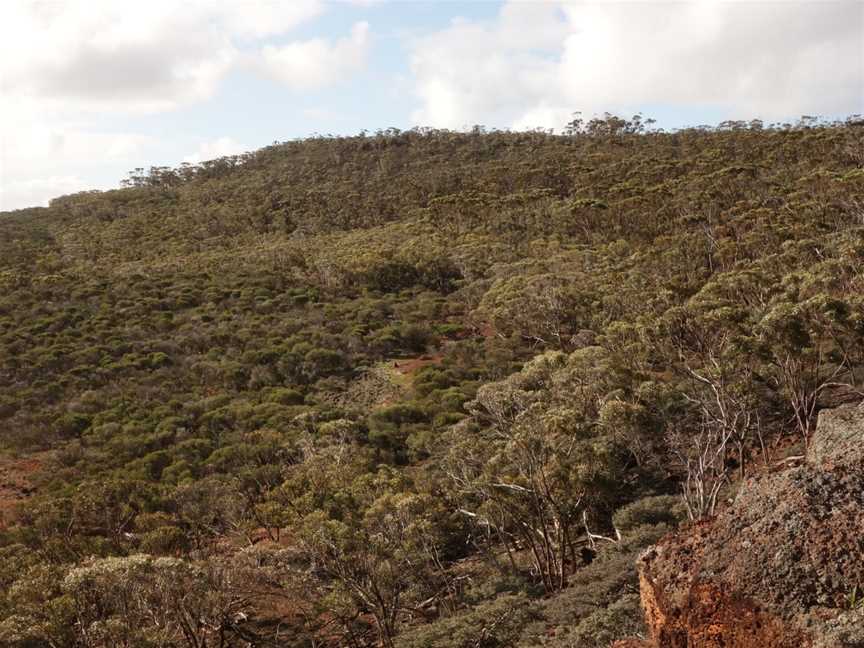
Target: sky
(90,89)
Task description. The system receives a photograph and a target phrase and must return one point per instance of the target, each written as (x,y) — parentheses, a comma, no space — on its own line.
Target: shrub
(621,619)
(320,363)
(390,427)
(660,509)
(284,396)
(163,540)
(495,624)
(72,425)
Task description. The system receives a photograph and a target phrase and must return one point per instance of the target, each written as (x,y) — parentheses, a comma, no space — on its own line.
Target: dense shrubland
(414,388)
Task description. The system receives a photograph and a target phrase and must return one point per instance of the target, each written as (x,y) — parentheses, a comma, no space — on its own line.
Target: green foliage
(600,628)
(495,624)
(390,428)
(855,599)
(661,509)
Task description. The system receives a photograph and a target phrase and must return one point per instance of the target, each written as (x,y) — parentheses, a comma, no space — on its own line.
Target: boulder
(781,567)
(839,437)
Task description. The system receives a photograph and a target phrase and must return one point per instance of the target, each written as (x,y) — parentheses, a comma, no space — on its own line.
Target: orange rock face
(711,618)
(775,569)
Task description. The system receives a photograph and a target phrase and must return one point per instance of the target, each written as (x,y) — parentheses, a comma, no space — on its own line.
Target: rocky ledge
(781,567)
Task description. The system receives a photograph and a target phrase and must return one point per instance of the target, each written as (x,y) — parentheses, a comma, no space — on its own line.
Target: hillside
(420,389)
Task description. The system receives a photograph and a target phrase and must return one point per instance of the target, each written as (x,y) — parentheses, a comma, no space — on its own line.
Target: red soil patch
(413,365)
(711,617)
(16,484)
(486,330)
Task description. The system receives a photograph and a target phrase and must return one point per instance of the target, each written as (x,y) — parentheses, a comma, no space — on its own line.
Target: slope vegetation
(414,388)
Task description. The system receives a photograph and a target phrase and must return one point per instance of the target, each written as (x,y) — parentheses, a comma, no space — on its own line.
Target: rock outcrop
(781,567)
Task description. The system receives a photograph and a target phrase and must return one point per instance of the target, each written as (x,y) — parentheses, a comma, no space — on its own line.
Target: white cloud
(320,113)
(37,192)
(44,154)
(112,56)
(67,69)
(215,149)
(264,17)
(146,56)
(311,64)
(535,64)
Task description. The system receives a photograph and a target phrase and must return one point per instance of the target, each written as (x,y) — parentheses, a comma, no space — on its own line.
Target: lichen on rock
(776,568)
